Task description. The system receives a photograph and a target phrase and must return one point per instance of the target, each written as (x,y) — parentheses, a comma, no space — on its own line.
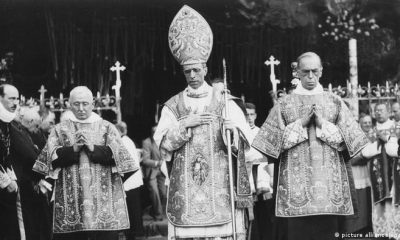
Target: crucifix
(272,62)
(118,68)
(42,91)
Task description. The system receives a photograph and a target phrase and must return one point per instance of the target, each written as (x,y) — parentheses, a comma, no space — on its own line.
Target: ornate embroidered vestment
(88,196)
(199,184)
(313,179)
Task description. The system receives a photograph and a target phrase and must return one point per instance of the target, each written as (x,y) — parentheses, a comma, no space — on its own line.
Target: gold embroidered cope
(318,183)
(88,196)
(199,185)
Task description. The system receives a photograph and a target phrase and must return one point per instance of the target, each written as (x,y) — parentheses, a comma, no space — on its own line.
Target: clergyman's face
(251,116)
(194,74)
(10,100)
(366,123)
(32,125)
(47,124)
(381,113)
(309,72)
(81,105)
(396,111)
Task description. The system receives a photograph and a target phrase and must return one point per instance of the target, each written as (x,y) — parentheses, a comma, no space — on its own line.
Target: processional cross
(118,68)
(42,91)
(272,62)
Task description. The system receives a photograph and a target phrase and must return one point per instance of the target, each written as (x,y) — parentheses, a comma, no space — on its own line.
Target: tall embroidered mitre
(190,37)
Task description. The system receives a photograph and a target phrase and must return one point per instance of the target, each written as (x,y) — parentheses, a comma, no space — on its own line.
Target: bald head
(396,111)
(305,55)
(9,97)
(81,91)
(81,101)
(30,119)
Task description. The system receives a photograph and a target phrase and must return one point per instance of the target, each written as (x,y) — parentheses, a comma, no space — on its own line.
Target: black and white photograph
(199,119)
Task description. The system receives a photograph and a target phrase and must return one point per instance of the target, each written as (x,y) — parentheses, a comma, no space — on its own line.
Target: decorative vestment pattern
(88,196)
(199,185)
(313,178)
(190,37)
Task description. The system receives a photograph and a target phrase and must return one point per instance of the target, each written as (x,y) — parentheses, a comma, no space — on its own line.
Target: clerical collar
(300,90)
(200,92)
(386,125)
(5,115)
(93,118)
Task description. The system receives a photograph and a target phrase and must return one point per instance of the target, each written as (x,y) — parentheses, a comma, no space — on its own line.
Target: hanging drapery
(83,45)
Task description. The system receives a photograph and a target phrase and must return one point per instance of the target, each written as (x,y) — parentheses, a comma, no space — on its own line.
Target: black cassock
(20,156)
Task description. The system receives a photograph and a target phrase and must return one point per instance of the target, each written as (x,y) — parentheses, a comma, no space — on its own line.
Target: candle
(51,102)
(387,87)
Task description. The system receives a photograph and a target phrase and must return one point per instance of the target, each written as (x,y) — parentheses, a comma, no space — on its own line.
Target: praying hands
(313,115)
(80,141)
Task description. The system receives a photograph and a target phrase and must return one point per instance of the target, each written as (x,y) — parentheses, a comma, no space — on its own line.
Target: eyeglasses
(380,111)
(315,72)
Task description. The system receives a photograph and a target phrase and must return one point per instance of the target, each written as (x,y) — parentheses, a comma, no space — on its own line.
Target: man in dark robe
(384,171)
(154,177)
(362,222)
(18,155)
(30,120)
